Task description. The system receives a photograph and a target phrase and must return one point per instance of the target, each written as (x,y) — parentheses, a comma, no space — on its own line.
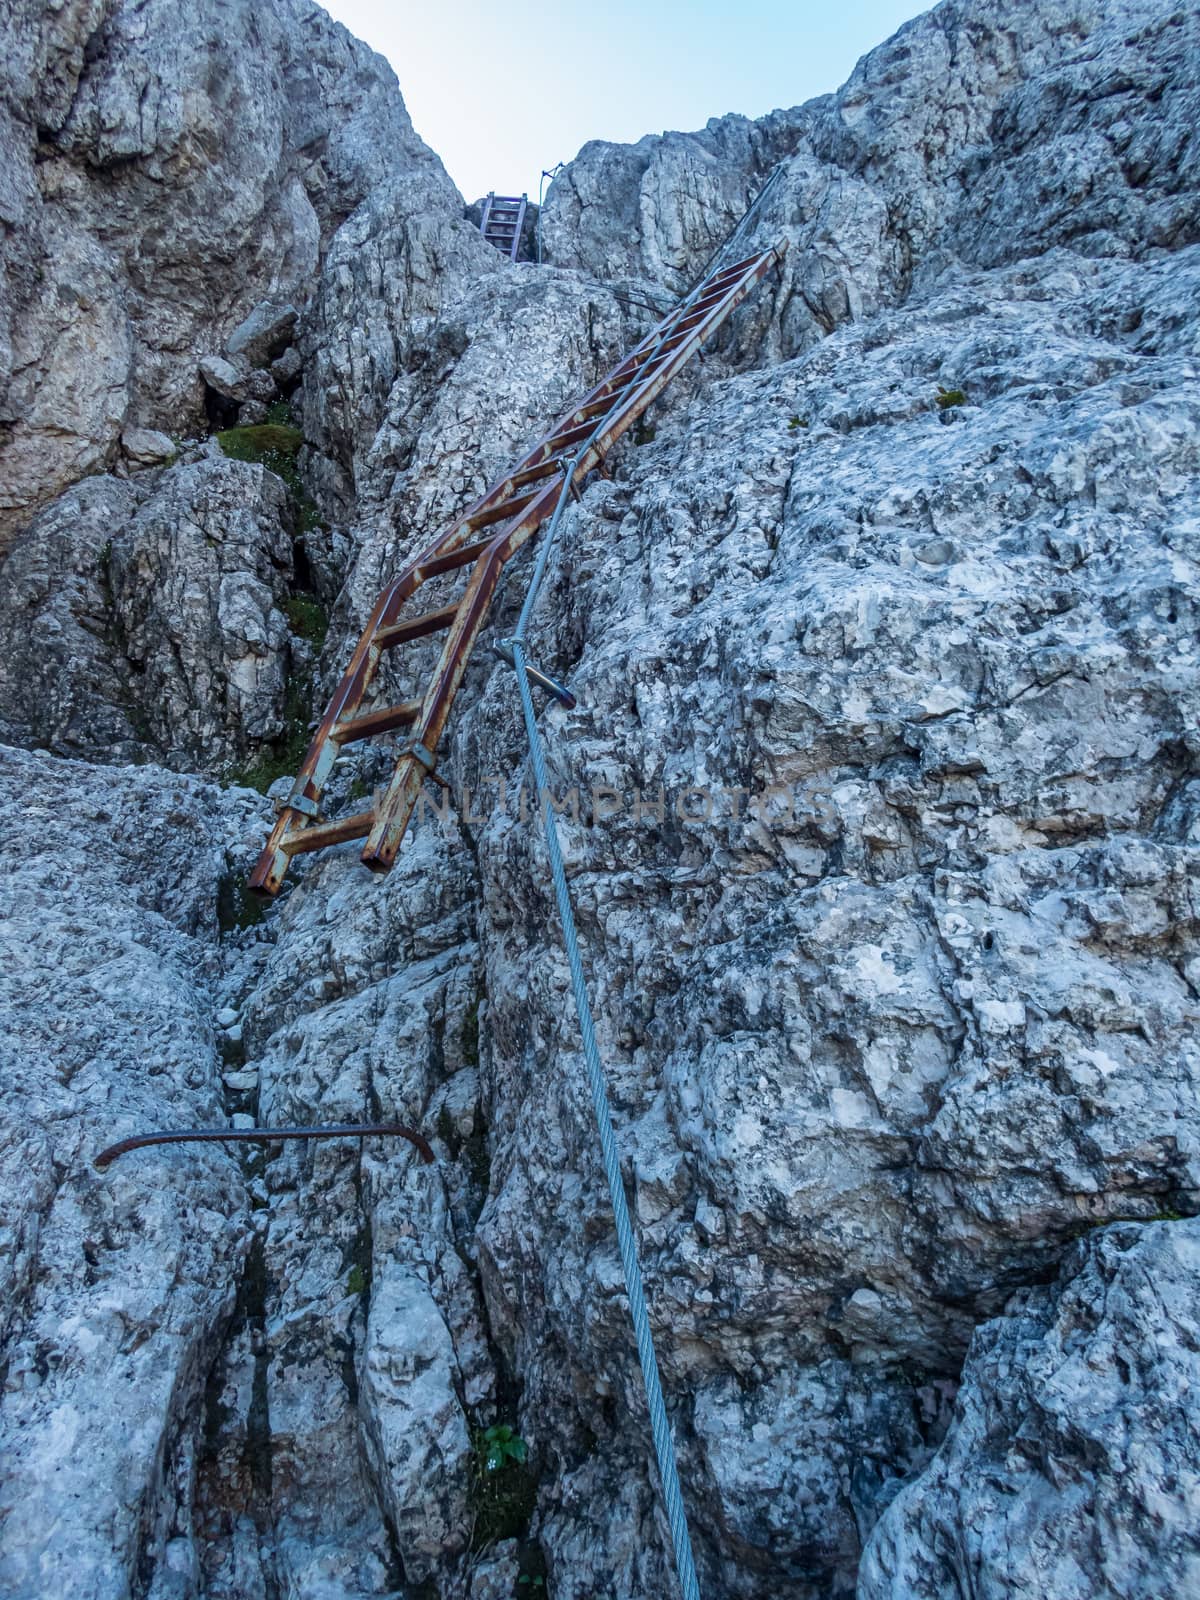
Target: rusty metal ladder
(484,538)
(502,221)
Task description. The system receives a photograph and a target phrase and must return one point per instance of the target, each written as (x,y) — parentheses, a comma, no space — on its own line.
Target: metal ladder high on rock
(502,221)
(484,538)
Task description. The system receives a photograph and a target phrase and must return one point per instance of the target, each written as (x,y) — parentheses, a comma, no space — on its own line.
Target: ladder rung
(576,435)
(692,320)
(653,354)
(737,269)
(541,469)
(712,298)
(499,513)
(417,628)
(301,840)
(717,288)
(462,557)
(605,403)
(369,723)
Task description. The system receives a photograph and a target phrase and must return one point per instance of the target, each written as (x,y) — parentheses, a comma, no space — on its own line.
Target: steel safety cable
(664,1445)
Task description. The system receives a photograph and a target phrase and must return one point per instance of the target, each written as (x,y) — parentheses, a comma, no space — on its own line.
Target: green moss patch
(271,443)
(274,445)
(283,756)
(236,906)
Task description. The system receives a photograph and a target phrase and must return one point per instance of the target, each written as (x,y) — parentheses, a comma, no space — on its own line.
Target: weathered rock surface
(861,1099)
(147,447)
(1071,1468)
(165,169)
(148,619)
(915,546)
(978,136)
(389,267)
(116,1288)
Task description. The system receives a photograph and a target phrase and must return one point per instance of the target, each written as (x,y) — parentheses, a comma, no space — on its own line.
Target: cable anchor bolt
(503,649)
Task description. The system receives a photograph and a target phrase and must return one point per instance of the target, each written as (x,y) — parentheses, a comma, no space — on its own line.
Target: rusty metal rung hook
(343,1130)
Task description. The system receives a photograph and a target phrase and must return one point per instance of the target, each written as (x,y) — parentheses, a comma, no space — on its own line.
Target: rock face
(981,139)
(166,167)
(900,1000)
(1071,1468)
(152,621)
(148,616)
(116,1288)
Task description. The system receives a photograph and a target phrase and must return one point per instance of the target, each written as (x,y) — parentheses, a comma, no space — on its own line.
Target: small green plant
(307,618)
(280,760)
(274,444)
(532,1580)
(502,1487)
(502,1444)
(479,1157)
(356,1280)
(949,397)
(795,422)
(446,1131)
(282,757)
(279,415)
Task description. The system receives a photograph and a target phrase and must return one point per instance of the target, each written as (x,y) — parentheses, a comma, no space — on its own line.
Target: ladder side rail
(323,750)
(516,244)
(396,806)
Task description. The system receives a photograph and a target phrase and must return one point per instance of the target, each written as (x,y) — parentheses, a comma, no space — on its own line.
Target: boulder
(265,334)
(147,447)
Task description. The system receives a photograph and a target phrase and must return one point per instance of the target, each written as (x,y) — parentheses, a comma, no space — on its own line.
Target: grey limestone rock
(168,168)
(116,1287)
(982,135)
(147,447)
(901,583)
(265,335)
(1071,1466)
(150,619)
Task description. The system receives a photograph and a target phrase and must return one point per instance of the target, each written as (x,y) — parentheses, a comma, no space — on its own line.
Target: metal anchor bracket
(503,649)
(421,753)
(566,465)
(299,801)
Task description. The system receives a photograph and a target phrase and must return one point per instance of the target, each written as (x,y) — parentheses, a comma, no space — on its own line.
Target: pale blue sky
(502,90)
